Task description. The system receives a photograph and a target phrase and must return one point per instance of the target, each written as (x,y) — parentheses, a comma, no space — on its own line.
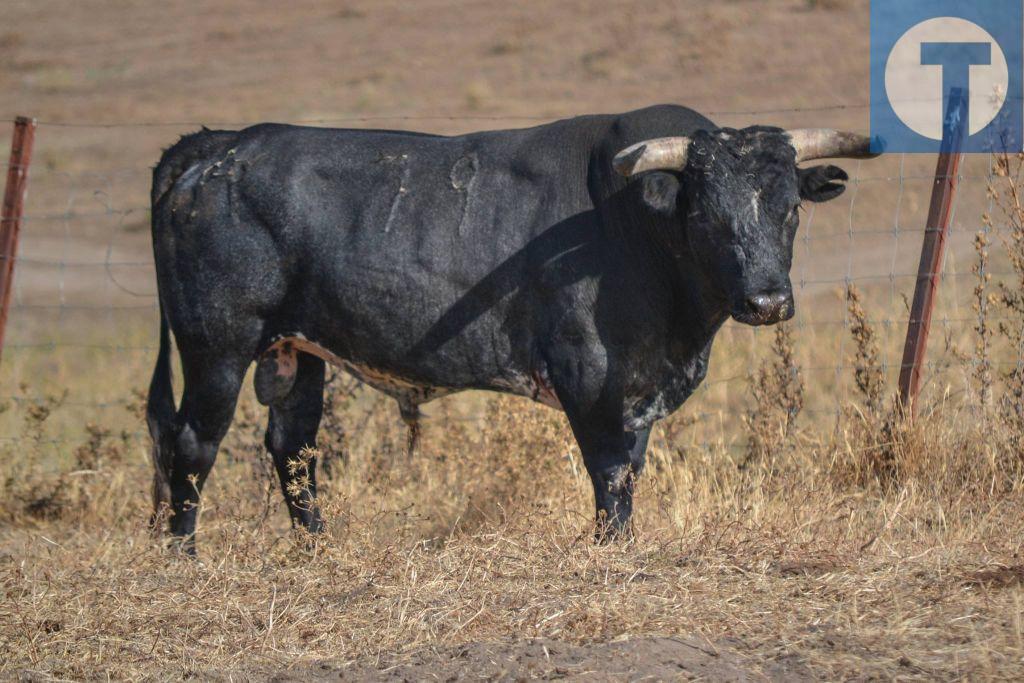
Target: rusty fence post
(933,249)
(14,203)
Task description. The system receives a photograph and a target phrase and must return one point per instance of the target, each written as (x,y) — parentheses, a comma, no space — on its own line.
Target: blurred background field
(788,518)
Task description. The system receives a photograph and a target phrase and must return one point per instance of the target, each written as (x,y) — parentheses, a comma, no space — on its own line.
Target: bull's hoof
(613,492)
(612,530)
(275,374)
(183,546)
(159,519)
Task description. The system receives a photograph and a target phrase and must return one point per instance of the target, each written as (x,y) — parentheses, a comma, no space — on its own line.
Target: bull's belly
(277,367)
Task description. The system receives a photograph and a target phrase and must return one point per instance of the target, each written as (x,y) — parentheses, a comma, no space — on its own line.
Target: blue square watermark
(944,65)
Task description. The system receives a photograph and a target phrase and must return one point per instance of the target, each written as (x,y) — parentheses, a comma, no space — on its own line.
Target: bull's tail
(160,416)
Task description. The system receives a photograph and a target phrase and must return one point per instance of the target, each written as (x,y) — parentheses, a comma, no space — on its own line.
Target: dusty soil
(634,659)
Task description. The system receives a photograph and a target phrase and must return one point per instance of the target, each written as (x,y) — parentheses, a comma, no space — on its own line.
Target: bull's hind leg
(294,421)
(208,403)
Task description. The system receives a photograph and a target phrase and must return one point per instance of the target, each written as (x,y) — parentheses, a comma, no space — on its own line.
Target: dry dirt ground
(653,659)
(114,82)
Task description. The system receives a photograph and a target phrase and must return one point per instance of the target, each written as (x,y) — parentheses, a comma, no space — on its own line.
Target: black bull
(517,261)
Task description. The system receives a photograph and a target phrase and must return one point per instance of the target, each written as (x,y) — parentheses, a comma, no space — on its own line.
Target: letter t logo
(956,60)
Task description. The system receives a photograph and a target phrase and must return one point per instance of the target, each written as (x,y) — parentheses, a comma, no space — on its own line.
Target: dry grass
(799,560)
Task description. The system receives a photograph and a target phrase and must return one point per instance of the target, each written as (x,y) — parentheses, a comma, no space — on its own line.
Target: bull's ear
(816,183)
(660,191)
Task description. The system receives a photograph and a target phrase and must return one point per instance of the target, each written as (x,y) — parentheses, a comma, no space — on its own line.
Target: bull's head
(736,195)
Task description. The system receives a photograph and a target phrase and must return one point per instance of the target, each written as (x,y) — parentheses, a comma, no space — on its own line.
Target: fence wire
(83,324)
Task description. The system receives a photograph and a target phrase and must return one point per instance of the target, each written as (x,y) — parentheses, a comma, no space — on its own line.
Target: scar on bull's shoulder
(463,176)
(403,187)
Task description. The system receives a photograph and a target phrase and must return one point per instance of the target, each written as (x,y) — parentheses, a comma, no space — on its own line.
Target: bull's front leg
(614,461)
(613,457)
(607,460)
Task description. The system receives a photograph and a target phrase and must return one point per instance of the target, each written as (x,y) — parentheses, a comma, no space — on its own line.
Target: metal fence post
(933,249)
(14,203)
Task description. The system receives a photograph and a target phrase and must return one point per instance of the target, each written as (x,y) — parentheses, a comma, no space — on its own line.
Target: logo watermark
(939,66)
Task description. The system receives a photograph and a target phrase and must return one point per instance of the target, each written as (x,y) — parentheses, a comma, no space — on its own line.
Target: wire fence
(83,324)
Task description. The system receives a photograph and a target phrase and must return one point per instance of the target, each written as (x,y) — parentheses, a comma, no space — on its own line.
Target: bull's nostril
(760,304)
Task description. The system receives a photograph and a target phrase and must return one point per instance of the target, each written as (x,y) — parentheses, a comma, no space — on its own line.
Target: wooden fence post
(933,249)
(14,204)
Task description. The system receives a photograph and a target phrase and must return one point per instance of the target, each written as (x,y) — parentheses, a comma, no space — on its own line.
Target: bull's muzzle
(766,309)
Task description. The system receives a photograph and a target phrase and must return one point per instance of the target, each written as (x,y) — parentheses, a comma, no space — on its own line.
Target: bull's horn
(664,154)
(825,143)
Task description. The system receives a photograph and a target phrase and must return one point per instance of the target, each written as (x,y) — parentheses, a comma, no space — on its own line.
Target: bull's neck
(694,311)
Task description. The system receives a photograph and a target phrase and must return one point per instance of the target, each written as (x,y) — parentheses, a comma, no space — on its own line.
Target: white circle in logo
(915,89)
